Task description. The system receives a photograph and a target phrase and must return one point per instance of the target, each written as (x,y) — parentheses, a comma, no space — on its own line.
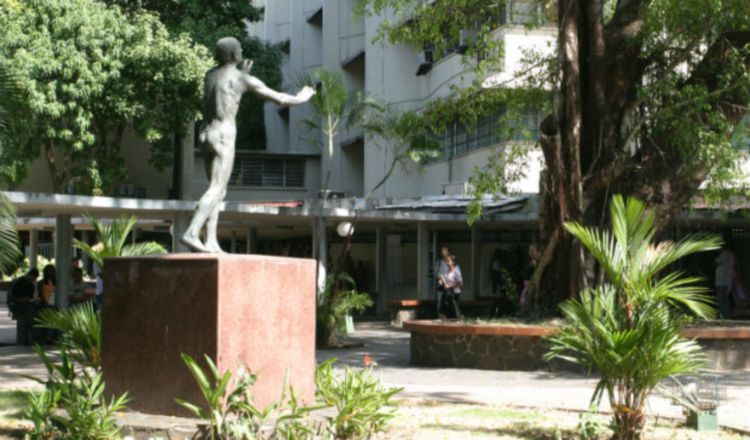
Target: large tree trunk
(56,174)
(589,145)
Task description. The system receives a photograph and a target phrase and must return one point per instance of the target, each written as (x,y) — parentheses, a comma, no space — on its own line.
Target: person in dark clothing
(22,306)
(45,294)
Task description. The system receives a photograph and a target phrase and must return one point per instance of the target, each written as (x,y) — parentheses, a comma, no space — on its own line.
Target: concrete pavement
(540,389)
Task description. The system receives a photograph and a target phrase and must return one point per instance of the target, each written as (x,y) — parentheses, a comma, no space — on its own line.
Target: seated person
(21,304)
(22,288)
(79,290)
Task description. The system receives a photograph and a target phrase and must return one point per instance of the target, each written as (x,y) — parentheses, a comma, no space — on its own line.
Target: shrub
(232,415)
(80,329)
(72,403)
(339,299)
(360,401)
(628,328)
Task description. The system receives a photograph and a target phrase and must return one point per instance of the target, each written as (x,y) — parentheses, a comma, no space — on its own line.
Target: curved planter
(521,348)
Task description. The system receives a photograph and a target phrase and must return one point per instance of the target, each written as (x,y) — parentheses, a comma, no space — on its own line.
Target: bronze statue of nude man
(224,86)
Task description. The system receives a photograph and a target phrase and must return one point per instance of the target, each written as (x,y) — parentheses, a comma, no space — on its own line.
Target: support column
(423,261)
(252,241)
(63,257)
(476,261)
(320,250)
(233,242)
(33,248)
(180,223)
(381,268)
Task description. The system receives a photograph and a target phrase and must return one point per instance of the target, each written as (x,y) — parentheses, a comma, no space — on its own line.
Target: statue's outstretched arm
(259,88)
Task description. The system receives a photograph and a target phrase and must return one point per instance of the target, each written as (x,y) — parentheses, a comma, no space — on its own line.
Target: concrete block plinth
(241,310)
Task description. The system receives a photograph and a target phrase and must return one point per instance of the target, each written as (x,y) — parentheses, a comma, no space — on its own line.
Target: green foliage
(72,404)
(89,73)
(112,238)
(360,401)
(213,393)
(206,22)
(80,330)
(233,415)
(22,266)
(687,91)
(9,251)
(340,297)
(335,109)
(590,426)
(628,328)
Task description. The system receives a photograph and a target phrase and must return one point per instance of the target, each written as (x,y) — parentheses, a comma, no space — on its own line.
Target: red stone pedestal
(248,310)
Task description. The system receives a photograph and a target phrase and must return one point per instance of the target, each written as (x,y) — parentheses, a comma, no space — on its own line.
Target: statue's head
(228,50)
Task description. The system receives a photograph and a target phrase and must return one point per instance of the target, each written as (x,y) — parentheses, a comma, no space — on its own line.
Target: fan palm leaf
(629,328)
(8,236)
(112,238)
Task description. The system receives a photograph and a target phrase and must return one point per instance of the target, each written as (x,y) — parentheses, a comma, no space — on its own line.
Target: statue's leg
(212,243)
(208,206)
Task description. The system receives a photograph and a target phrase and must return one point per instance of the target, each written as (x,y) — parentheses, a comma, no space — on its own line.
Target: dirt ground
(438,421)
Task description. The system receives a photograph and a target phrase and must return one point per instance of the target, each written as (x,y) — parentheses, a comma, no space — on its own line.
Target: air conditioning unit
(466,37)
(457,189)
(426,60)
(331,194)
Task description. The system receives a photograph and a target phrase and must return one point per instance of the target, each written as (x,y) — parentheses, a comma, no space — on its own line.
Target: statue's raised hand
(306,93)
(246,65)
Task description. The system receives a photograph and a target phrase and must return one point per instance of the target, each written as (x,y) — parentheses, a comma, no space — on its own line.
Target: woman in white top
(452,283)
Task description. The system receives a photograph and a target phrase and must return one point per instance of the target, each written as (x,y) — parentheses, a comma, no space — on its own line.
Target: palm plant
(80,330)
(335,109)
(10,111)
(112,239)
(628,328)
(8,236)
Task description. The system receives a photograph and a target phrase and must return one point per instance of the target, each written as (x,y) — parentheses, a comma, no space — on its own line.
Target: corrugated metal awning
(457,204)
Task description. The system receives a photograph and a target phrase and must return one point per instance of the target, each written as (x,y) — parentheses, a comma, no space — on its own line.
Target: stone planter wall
(478,351)
(521,348)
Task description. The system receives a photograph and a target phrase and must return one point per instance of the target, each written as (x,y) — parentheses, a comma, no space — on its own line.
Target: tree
(90,73)
(646,95)
(335,109)
(206,22)
(627,329)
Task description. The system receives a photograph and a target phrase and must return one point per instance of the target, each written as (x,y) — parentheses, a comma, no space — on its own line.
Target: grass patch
(491,412)
(430,420)
(13,403)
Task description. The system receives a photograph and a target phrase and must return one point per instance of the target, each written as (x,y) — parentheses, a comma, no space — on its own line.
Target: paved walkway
(390,349)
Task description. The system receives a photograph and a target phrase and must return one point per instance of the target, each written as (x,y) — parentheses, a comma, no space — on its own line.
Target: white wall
(141,174)
(388,73)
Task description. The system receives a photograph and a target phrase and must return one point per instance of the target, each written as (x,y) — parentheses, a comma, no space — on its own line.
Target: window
(457,139)
(254,171)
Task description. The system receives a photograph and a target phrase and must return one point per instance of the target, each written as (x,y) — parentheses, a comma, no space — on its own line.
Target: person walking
(452,283)
(439,271)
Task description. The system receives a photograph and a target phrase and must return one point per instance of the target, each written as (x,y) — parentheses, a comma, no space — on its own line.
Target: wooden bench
(410,309)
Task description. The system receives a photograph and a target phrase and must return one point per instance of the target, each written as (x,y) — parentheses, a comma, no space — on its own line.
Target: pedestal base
(241,310)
